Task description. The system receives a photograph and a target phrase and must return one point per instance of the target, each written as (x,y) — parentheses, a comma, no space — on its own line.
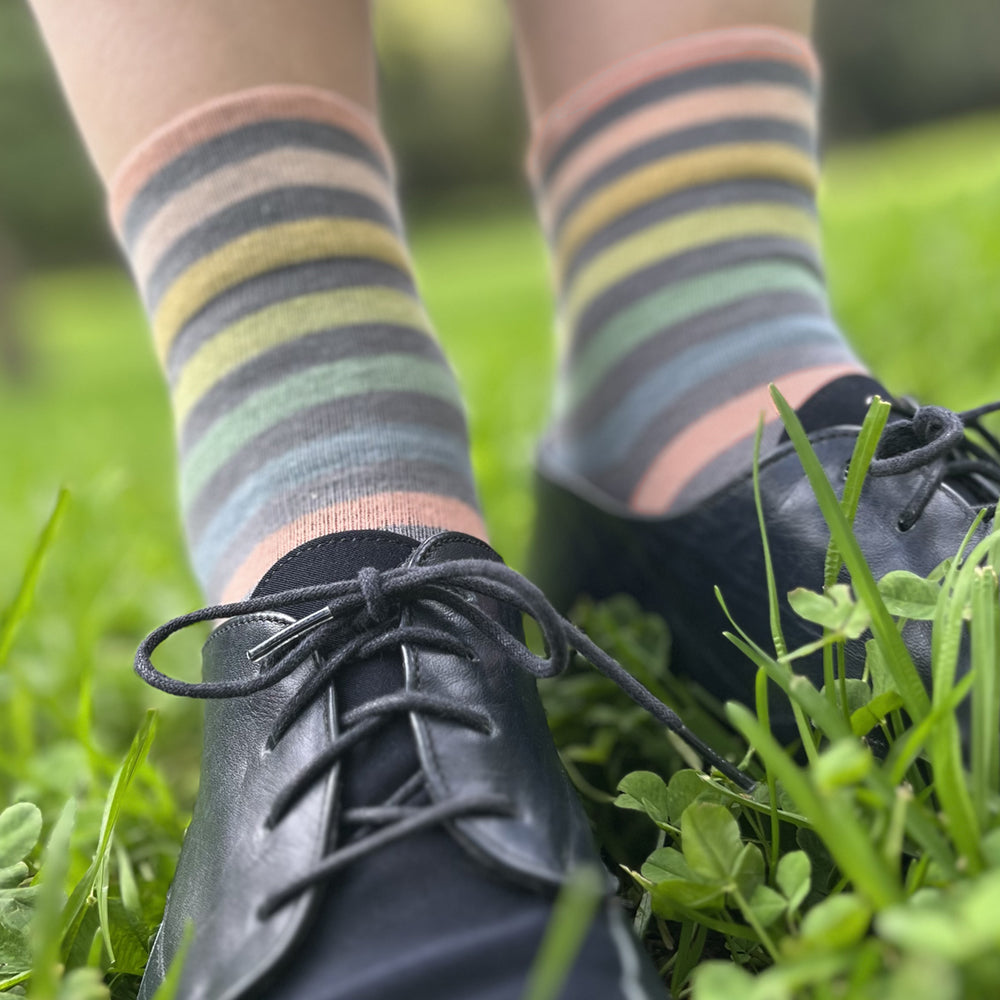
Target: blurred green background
(452,105)
(911,210)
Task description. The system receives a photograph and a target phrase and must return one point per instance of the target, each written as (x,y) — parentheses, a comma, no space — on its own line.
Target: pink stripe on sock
(222,114)
(671,115)
(725,45)
(704,440)
(418,509)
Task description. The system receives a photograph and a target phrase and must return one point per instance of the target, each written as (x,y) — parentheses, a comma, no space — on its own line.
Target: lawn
(914,258)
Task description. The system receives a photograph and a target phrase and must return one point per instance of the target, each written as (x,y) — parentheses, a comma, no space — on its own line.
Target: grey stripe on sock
(257,213)
(661,427)
(700,78)
(278,286)
(332,427)
(300,354)
(659,209)
(663,347)
(724,132)
(232,147)
(689,264)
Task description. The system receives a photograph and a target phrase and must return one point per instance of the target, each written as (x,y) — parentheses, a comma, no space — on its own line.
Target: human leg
(677,185)
(562,45)
(128,68)
(265,235)
(313,407)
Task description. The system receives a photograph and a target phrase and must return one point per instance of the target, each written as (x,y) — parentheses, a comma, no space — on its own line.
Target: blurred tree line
(453,111)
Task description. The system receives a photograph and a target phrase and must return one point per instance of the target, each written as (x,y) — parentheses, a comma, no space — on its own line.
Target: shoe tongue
(374,769)
(332,558)
(842,402)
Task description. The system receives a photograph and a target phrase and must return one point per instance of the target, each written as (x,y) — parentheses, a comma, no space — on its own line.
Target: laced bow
(935,438)
(360,618)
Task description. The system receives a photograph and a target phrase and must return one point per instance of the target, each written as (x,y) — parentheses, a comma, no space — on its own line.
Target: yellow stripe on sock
(289,320)
(265,250)
(773,161)
(687,232)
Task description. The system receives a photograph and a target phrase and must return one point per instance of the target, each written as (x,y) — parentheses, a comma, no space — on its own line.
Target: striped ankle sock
(678,192)
(309,394)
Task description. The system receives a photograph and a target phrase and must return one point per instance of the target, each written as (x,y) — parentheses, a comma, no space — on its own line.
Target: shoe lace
(360,618)
(936,439)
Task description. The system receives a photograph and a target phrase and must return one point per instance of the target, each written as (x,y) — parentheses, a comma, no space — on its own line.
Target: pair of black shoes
(382,812)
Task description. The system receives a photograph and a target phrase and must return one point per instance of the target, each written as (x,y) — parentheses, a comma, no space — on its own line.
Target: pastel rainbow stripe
(309,393)
(678,194)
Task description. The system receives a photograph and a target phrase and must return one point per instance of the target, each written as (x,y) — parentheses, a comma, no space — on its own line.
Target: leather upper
(671,564)
(548,834)
(231,863)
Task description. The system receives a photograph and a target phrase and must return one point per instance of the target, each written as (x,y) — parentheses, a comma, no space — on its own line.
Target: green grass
(914,255)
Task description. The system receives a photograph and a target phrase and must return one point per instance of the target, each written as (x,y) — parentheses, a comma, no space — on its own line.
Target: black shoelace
(360,618)
(936,439)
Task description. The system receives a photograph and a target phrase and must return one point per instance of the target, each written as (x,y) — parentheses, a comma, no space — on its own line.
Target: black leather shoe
(925,488)
(382,812)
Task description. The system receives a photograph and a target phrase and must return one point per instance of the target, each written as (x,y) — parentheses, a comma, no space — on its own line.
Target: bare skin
(129,66)
(562,43)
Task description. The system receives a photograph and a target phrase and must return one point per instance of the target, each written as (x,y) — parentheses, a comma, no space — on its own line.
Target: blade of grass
(774,610)
(764,714)
(829,677)
(764,662)
(985,743)
(97,874)
(49,906)
(799,689)
(846,839)
(19,713)
(922,827)
(857,469)
(168,989)
(861,458)
(19,607)
(572,914)
(951,783)
(897,657)
(908,746)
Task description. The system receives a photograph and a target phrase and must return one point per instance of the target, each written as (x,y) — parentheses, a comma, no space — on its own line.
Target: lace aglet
(288,635)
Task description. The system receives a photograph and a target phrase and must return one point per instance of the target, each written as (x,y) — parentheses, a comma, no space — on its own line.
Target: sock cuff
(229,112)
(700,51)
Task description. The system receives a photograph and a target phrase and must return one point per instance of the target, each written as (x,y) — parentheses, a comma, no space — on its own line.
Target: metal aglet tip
(289,634)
